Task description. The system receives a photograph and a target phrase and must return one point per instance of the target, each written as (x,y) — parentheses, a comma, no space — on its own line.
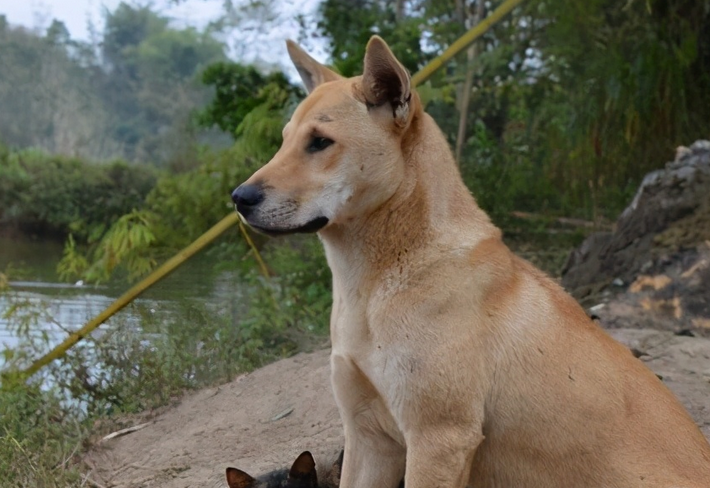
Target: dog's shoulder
(495,269)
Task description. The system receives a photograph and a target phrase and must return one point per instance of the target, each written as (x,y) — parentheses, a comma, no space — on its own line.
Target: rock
(660,249)
(671,210)
(676,299)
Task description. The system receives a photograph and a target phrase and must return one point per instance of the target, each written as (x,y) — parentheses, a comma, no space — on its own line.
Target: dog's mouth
(311,226)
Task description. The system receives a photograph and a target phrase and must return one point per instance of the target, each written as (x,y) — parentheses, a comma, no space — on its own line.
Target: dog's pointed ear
(303,470)
(385,80)
(312,72)
(236,478)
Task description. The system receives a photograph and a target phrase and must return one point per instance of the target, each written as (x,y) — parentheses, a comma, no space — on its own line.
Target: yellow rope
(170,265)
(259,259)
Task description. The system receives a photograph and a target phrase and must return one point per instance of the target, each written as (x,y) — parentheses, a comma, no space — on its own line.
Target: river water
(31,268)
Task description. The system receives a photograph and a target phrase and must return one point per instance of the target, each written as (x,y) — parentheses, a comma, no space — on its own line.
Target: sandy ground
(263,420)
(258,422)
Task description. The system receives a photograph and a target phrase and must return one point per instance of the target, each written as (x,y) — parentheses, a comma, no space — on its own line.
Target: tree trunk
(471,53)
(399,10)
(461,12)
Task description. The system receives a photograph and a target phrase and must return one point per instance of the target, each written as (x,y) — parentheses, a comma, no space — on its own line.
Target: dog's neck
(430,200)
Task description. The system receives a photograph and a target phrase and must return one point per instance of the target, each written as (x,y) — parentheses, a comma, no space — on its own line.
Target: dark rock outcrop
(659,253)
(670,211)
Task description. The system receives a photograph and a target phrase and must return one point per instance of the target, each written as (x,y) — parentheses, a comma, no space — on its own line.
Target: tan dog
(447,348)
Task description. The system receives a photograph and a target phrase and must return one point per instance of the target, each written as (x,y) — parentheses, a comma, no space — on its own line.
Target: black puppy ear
(303,471)
(236,478)
(385,80)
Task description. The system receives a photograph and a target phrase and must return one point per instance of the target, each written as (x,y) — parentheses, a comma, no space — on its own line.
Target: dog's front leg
(440,458)
(371,461)
(373,458)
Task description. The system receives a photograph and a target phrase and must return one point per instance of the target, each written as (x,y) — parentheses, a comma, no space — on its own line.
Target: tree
(570,102)
(46,96)
(348,25)
(126,28)
(134,99)
(238,91)
(151,87)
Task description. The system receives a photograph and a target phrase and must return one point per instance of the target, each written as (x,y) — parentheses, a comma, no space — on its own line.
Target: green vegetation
(566,105)
(239,90)
(55,195)
(128,370)
(39,439)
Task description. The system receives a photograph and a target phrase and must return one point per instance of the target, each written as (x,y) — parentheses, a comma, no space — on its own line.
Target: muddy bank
(258,422)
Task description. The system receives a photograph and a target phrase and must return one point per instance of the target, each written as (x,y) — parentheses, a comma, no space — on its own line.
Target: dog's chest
(361,325)
(369,342)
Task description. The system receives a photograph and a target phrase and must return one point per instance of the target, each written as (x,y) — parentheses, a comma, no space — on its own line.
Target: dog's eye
(318,144)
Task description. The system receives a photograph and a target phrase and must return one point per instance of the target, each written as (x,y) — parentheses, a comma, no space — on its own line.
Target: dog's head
(341,155)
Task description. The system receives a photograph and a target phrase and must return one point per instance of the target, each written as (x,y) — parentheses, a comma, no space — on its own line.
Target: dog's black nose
(246,197)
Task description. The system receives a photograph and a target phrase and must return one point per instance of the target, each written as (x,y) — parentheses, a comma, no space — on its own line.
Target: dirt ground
(258,422)
(263,420)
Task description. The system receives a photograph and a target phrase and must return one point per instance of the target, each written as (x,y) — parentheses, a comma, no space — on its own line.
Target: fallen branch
(125,431)
(561,220)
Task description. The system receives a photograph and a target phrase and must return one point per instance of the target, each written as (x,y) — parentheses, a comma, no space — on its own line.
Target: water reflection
(63,307)
(55,314)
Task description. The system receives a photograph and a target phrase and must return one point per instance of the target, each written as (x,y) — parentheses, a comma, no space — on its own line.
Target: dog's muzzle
(248,197)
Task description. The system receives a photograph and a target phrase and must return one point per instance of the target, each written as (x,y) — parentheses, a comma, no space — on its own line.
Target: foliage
(123,243)
(128,369)
(238,90)
(348,25)
(571,102)
(61,195)
(39,438)
(635,83)
(182,206)
(295,300)
(46,95)
(150,87)
(126,28)
(131,366)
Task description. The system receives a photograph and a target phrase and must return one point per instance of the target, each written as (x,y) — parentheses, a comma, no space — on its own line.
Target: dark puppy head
(301,475)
